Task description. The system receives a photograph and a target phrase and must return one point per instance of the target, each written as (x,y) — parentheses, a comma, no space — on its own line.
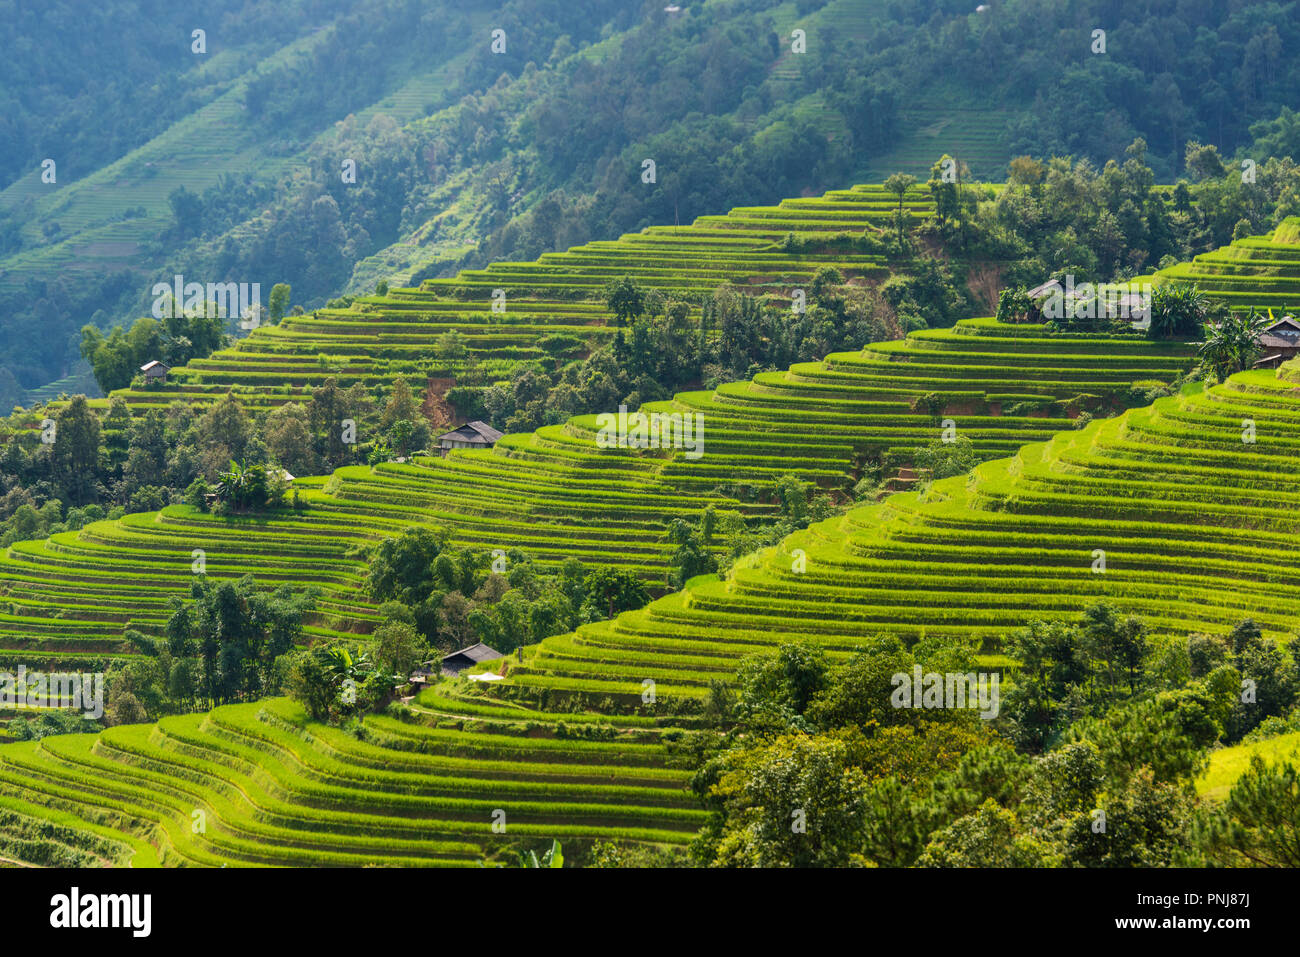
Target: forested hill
(226,165)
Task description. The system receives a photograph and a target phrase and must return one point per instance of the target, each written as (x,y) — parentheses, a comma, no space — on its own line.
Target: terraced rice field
(65,601)
(1198,529)
(974,136)
(256,784)
(1259,271)
(383,337)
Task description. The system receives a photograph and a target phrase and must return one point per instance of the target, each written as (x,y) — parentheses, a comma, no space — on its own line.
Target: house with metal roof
(155,371)
(471,435)
(1279,342)
(458,661)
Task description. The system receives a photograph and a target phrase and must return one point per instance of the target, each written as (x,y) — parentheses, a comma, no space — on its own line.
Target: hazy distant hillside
(229,165)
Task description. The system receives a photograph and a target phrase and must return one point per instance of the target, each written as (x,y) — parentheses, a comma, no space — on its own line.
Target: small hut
(154,371)
(1281,340)
(458,661)
(471,435)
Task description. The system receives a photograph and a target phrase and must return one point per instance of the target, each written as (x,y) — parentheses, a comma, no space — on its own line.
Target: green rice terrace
(1197,526)
(551,307)
(553,493)
(1258,271)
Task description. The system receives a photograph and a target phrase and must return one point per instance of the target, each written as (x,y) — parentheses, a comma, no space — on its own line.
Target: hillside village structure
(458,661)
(472,435)
(1280,342)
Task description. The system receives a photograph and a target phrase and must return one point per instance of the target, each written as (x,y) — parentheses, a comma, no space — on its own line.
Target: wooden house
(1280,342)
(471,435)
(458,661)
(154,371)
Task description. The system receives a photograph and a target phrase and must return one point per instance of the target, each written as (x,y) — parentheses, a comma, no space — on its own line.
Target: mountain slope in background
(230,168)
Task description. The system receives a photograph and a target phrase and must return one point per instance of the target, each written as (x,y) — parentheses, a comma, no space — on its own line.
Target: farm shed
(1280,341)
(155,371)
(458,661)
(472,435)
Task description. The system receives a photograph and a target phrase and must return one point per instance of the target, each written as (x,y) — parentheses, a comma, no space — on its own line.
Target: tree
(1143,734)
(242,486)
(450,346)
(74,458)
(692,556)
(1203,161)
(797,802)
(401,404)
(1014,305)
(776,689)
(613,590)
(898,184)
(1052,662)
(1232,344)
(196,495)
(1146,826)
(307,681)
(1259,823)
(946,177)
(401,568)
(226,428)
(991,836)
(237,632)
(329,407)
(1178,309)
(287,434)
(552,858)
(278,302)
(187,210)
(1025,171)
(1120,644)
(625,299)
(946,459)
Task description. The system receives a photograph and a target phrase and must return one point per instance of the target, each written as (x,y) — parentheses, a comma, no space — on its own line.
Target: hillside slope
(1260,272)
(555,494)
(383,337)
(1171,493)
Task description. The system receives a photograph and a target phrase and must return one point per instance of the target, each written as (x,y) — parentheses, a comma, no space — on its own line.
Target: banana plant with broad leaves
(1232,345)
(553,857)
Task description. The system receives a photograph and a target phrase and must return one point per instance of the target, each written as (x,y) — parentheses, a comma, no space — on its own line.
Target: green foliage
(1259,823)
(625,299)
(233,633)
(945,459)
(278,302)
(612,590)
(174,340)
(552,857)
(242,486)
(1232,343)
(1178,310)
(693,555)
